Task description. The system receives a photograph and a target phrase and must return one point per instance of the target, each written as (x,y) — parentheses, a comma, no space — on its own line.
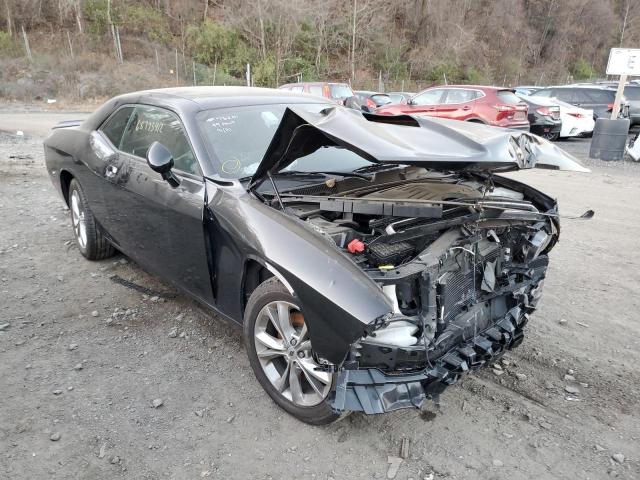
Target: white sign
(624,61)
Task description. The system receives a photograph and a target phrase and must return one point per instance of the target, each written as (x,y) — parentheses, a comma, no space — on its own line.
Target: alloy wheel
(284,351)
(78,219)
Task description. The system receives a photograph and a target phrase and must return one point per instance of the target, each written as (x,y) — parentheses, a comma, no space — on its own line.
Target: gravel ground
(106,372)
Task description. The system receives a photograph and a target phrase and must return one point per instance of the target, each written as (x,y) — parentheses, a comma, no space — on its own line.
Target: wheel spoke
(279,315)
(274,347)
(283,381)
(308,366)
(303,335)
(74,205)
(294,386)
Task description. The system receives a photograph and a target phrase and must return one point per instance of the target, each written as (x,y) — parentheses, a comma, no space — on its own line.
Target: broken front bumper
(371,391)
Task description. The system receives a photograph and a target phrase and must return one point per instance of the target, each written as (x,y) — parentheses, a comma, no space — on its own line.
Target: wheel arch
(65,181)
(255,272)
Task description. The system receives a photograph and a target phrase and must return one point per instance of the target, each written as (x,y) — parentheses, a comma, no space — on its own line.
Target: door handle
(466,107)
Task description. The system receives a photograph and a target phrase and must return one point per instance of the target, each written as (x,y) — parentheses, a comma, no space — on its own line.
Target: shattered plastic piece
(404,448)
(394,466)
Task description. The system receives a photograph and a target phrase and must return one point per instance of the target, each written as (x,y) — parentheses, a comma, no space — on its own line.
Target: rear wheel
(281,355)
(552,137)
(90,240)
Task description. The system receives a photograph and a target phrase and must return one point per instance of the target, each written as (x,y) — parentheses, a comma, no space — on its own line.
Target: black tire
(552,137)
(476,120)
(269,291)
(95,246)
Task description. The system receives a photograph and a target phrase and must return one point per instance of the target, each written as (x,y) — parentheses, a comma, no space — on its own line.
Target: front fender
(338,299)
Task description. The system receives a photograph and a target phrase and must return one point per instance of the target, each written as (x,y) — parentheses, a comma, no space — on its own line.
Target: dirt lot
(85,350)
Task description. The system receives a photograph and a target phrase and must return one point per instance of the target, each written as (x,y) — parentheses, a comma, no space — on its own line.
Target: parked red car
(491,105)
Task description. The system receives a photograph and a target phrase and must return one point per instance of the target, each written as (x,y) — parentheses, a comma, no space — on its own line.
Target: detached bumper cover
(372,391)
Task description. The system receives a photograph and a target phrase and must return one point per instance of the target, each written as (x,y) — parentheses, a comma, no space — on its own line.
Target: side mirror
(160,160)
(410,102)
(101,147)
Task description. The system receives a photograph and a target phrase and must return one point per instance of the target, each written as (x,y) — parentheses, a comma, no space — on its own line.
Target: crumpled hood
(437,144)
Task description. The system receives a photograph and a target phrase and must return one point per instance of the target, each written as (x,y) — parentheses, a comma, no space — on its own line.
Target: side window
(564,94)
(315,90)
(297,89)
(458,95)
(600,96)
(114,126)
(148,125)
(542,93)
(430,97)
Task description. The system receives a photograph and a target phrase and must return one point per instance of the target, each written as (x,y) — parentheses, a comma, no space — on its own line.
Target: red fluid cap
(355,246)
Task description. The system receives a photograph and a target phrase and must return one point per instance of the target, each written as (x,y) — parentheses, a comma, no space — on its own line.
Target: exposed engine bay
(458,255)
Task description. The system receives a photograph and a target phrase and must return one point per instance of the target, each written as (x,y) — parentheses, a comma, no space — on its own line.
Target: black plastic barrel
(609,139)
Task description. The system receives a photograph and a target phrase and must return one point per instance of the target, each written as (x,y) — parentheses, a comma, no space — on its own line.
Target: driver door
(159,226)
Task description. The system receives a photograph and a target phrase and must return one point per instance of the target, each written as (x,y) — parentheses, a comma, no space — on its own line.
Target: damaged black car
(371,261)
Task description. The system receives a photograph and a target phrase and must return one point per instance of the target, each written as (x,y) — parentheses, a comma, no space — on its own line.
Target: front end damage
(459,253)
(463,279)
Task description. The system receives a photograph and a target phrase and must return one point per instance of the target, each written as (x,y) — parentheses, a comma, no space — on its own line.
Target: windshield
(238,138)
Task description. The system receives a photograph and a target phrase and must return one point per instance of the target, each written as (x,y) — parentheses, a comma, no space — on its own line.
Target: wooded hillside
(92,48)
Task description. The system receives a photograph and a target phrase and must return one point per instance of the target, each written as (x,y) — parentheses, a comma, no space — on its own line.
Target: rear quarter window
(114,127)
(508,97)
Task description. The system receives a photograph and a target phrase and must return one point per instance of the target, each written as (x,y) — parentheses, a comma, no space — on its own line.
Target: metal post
(157,61)
(248,74)
(616,104)
(195,82)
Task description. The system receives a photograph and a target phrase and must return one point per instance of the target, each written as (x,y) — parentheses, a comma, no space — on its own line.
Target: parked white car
(575,120)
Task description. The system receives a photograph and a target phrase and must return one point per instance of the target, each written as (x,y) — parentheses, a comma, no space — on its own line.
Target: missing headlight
(536,245)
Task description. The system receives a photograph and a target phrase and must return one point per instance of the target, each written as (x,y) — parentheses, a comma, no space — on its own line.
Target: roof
(594,87)
(485,87)
(209,97)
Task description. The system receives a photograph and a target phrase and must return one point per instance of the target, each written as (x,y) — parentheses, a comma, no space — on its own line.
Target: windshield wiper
(323,174)
(375,167)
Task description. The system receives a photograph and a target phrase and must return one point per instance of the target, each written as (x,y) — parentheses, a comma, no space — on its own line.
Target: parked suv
(592,97)
(632,94)
(491,105)
(338,92)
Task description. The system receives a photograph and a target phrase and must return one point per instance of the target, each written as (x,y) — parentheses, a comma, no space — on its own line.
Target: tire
(552,137)
(91,242)
(276,360)
(476,120)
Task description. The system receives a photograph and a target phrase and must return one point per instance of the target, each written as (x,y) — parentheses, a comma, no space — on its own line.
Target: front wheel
(280,353)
